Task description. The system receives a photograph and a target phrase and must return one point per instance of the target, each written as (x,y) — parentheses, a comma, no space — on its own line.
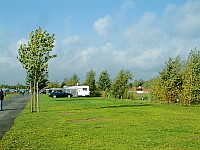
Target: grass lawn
(109,124)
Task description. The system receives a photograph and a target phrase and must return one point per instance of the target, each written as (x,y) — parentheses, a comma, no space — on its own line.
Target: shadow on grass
(70,99)
(142,105)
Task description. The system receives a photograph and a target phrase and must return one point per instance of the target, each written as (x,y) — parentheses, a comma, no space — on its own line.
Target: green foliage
(171,80)
(138,83)
(34,57)
(120,84)
(53,85)
(74,80)
(191,79)
(156,90)
(177,82)
(17,86)
(104,82)
(106,93)
(147,84)
(110,124)
(129,95)
(35,54)
(90,81)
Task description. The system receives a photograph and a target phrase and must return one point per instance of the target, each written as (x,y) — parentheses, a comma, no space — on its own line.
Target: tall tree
(120,84)
(171,80)
(34,57)
(104,83)
(179,82)
(90,81)
(53,85)
(74,80)
(191,79)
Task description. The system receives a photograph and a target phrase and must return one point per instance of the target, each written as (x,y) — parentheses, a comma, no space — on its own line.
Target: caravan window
(84,89)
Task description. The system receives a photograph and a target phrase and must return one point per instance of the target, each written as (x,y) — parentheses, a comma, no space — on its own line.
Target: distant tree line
(105,86)
(179,81)
(17,86)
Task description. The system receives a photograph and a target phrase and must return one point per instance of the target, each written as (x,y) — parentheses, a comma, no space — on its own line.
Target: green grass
(109,124)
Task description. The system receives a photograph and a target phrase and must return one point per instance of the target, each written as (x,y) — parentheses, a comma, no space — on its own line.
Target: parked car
(60,94)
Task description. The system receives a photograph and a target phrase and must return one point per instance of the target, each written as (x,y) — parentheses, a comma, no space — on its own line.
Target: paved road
(11,109)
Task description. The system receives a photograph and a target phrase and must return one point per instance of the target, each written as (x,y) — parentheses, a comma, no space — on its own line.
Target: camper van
(77,91)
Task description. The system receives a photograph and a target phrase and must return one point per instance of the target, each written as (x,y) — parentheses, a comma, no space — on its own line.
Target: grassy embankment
(98,123)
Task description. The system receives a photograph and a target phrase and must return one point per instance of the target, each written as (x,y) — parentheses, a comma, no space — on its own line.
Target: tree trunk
(38,110)
(31,97)
(34,96)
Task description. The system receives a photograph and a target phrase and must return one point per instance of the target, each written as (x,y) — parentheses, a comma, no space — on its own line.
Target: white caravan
(77,90)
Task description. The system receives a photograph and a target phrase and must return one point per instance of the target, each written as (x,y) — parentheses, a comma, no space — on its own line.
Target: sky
(135,35)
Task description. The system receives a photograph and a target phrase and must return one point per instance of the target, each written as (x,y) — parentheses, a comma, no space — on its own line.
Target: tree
(171,80)
(178,82)
(138,83)
(90,81)
(74,80)
(53,85)
(104,83)
(34,57)
(156,89)
(147,83)
(191,79)
(120,84)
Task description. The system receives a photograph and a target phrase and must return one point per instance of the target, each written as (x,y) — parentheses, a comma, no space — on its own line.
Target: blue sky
(135,35)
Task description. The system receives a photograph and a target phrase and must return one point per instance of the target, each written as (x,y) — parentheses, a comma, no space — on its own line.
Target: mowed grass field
(105,124)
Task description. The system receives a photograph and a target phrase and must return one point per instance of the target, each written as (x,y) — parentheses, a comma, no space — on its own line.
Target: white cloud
(147,47)
(123,12)
(11,69)
(9,55)
(71,40)
(183,20)
(144,31)
(188,27)
(13,49)
(149,43)
(142,47)
(102,25)
(86,55)
(127,4)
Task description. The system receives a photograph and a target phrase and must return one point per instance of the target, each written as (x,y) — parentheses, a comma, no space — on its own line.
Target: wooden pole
(31,97)
(38,109)
(34,96)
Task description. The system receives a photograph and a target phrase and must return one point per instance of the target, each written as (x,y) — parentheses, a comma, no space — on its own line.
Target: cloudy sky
(135,35)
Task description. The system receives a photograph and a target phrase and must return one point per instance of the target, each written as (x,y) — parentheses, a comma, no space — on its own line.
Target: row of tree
(179,81)
(17,86)
(105,86)
(34,57)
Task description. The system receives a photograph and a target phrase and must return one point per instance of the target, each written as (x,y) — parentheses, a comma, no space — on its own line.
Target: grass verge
(98,123)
